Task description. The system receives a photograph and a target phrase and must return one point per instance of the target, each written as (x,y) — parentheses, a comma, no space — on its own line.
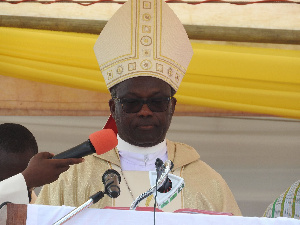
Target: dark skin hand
(42,169)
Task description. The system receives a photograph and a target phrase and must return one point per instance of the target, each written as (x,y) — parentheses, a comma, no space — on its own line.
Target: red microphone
(99,142)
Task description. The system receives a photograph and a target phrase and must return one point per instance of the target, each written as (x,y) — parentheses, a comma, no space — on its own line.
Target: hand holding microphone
(42,169)
(99,142)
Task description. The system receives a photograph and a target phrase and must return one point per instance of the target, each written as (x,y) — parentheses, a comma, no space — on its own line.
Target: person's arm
(14,190)
(41,170)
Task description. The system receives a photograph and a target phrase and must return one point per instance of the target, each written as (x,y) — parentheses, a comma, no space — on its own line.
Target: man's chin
(146,142)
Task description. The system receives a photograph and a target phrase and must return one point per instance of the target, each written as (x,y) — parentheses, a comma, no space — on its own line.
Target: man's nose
(145,111)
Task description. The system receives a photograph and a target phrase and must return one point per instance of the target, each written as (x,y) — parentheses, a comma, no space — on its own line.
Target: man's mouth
(145,127)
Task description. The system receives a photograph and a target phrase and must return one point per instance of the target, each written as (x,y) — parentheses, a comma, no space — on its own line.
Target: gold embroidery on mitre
(146,64)
(170,72)
(120,69)
(177,77)
(146,17)
(109,75)
(159,68)
(146,29)
(131,66)
(146,40)
(146,52)
(146,5)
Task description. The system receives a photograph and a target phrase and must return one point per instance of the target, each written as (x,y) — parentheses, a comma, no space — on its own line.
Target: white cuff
(14,190)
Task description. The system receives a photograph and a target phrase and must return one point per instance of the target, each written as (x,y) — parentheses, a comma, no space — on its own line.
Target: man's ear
(112,107)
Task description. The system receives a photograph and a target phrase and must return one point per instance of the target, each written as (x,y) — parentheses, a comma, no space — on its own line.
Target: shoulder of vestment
(181,154)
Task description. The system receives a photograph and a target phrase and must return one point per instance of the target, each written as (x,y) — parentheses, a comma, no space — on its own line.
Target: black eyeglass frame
(142,102)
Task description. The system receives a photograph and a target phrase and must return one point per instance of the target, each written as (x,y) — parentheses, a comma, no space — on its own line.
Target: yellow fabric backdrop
(249,79)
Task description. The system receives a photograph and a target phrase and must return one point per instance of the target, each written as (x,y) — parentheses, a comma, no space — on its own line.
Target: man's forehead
(143,84)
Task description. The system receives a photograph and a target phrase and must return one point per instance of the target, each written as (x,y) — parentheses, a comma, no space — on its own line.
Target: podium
(13,214)
(41,214)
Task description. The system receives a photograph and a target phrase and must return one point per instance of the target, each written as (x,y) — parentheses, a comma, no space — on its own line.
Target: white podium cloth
(41,214)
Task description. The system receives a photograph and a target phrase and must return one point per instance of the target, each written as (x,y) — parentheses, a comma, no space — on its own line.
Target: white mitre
(143,38)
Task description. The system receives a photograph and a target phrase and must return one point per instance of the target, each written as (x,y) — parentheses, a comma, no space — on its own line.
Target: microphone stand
(159,183)
(111,189)
(93,199)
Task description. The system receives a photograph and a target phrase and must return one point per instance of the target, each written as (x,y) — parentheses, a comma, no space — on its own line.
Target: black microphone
(99,142)
(111,180)
(160,168)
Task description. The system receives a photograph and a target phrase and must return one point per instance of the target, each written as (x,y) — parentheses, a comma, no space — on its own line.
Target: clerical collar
(140,158)
(126,147)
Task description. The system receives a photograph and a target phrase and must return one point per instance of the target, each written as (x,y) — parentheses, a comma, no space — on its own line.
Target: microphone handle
(79,151)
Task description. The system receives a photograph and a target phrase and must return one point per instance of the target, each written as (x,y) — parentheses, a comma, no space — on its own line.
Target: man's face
(143,128)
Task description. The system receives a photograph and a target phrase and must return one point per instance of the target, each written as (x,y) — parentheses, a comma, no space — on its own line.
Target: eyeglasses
(134,105)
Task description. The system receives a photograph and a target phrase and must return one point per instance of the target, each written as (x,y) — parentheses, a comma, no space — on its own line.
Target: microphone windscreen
(103,140)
